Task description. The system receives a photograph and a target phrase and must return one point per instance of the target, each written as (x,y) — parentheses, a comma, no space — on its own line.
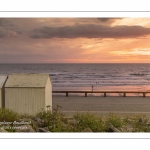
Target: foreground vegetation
(47,121)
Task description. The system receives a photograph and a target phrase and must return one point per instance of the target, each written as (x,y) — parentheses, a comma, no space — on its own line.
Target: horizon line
(82,63)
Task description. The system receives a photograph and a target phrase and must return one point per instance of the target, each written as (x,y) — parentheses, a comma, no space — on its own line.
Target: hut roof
(27,80)
(2,80)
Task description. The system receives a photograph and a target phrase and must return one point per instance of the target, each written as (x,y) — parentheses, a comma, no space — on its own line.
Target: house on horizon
(28,93)
(2,92)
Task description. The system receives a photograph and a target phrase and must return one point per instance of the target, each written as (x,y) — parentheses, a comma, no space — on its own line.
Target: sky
(75,40)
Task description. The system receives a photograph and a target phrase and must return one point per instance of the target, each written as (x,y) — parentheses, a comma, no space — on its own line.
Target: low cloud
(90,31)
(9,28)
(109,20)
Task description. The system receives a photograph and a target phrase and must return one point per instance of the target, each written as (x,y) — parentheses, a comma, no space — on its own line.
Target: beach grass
(8,115)
(87,122)
(56,121)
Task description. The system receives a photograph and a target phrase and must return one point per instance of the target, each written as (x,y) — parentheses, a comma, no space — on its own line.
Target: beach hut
(2,94)
(28,93)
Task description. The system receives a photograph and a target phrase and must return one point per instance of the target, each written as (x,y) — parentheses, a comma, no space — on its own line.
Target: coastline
(103,88)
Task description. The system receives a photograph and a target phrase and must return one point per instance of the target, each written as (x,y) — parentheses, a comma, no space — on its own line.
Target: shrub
(54,120)
(88,120)
(7,115)
(114,120)
(140,123)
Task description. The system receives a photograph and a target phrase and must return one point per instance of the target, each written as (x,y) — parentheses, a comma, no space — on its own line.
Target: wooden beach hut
(28,93)
(2,94)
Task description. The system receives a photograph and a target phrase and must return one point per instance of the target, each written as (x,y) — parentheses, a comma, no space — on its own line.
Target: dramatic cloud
(8,28)
(77,40)
(108,20)
(90,31)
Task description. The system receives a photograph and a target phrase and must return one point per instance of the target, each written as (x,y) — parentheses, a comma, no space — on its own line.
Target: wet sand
(122,106)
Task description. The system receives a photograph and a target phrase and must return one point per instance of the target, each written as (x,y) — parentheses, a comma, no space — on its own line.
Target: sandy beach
(122,106)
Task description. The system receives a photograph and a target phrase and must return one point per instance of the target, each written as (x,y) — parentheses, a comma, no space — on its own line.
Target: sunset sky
(75,40)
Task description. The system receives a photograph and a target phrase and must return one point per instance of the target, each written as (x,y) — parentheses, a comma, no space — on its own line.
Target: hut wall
(2,92)
(48,94)
(25,100)
(0,98)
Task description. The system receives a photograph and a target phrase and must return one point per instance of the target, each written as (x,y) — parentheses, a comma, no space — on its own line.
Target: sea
(84,76)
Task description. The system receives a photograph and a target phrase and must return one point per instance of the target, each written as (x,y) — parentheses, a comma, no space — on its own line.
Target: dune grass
(80,122)
(56,121)
(8,115)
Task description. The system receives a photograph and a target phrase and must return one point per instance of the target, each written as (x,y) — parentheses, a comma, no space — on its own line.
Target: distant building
(2,94)
(28,93)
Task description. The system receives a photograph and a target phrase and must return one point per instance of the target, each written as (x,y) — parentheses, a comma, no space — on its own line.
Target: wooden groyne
(104,92)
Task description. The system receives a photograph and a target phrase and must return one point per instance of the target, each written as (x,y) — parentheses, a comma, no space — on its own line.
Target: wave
(85,75)
(138,74)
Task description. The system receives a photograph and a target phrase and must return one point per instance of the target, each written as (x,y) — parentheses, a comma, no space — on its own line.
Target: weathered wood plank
(101,91)
(86,92)
(67,94)
(124,94)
